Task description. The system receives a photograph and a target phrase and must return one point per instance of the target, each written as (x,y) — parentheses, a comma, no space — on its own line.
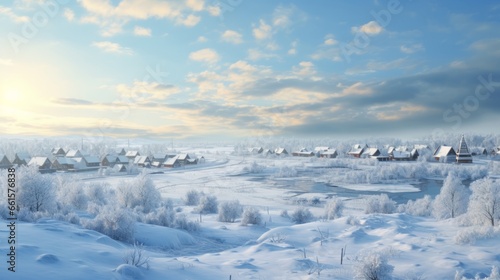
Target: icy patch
(390,188)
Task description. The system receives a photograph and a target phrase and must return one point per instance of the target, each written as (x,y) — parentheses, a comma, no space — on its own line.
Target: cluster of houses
(443,153)
(75,160)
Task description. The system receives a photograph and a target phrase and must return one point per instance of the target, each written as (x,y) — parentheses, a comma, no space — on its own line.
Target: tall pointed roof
(463,154)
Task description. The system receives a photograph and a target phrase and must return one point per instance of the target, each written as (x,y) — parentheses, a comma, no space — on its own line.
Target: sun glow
(12,96)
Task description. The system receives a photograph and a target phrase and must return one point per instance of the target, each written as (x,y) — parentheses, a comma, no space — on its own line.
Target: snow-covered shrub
(140,192)
(96,193)
(452,199)
(373,266)
(484,204)
(36,192)
(72,196)
(334,208)
(229,211)
(208,204)
(380,204)
(301,215)
(137,257)
(253,168)
(116,223)
(182,222)
(471,234)
(421,207)
(284,213)
(286,172)
(192,198)
(353,221)
(163,216)
(251,216)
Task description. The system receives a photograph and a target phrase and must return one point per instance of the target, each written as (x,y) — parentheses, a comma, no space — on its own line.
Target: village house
(4,162)
(357,150)
(73,154)
(303,153)
(445,154)
(158,159)
(398,155)
(329,153)
(21,158)
(172,162)
(256,150)
(370,153)
(478,151)
(142,161)
(131,155)
(120,168)
(63,163)
(122,152)
(58,152)
(43,163)
(280,151)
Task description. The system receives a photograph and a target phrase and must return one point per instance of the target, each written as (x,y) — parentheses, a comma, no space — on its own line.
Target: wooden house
(329,153)
(43,163)
(120,168)
(357,150)
(142,161)
(74,154)
(280,151)
(58,152)
(445,154)
(131,155)
(4,162)
(370,152)
(109,160)
(405,155)
(478,151)
(122,152)
(63,163)
(21,158)
(256,150)
(172,162)
(303,153)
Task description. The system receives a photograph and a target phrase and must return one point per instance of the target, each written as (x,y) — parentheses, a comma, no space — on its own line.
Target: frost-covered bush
(353,221)
(251,216)
(137,257)
(452,199)
(334,208)
(139,192)
(192,198)
(301,215)
(163,216)
(116,223)
(484,204)
(380,204)
(36,192)
(373,266)
(421,207)
(472,234)
(284,213)
(72,196)
(286,172)
(229,211)
(97,193)
(253,168)
(208,205)
(182,222)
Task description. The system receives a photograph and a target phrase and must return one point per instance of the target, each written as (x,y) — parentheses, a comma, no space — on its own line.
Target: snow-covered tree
(301,215)
(251,216)
(484,204)
(140,192)
(37,192)
(229,211)
(419,207)
(208,204)
(452,199)
(380,204)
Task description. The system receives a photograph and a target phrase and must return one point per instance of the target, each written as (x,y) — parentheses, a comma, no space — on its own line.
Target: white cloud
(142,31)
(305,69)
(69,14)
(255,54)
(232,36)
(263,31)
(370,28)
(141,91)
(189,21)
(10,14)
(205,55)
(330,40)
(195,5)
(202,39)
(411,48)
(293,48)
(110,47)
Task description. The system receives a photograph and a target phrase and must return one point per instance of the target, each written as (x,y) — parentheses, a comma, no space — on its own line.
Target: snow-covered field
(277,248)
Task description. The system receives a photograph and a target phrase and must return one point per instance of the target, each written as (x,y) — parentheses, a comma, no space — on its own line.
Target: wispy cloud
(111,47)
(142,31)
(13,16)
(232,36)
(207,55)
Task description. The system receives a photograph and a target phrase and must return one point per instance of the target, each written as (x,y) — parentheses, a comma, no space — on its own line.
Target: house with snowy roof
(58,152)
(405,155)
(4,162)
(63,163)
(280,151)
(21,158)
(357,150)
(445,154)
(329,153)
(303,153)
(43,163)
(172,162)
(131,155)
(73,153)
(142,161)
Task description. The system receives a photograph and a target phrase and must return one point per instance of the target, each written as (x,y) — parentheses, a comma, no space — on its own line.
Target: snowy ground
(277,249)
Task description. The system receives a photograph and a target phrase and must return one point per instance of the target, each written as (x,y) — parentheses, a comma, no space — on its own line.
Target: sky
(230,69)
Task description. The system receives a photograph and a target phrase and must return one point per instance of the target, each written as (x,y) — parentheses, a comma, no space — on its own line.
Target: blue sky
(223,69)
